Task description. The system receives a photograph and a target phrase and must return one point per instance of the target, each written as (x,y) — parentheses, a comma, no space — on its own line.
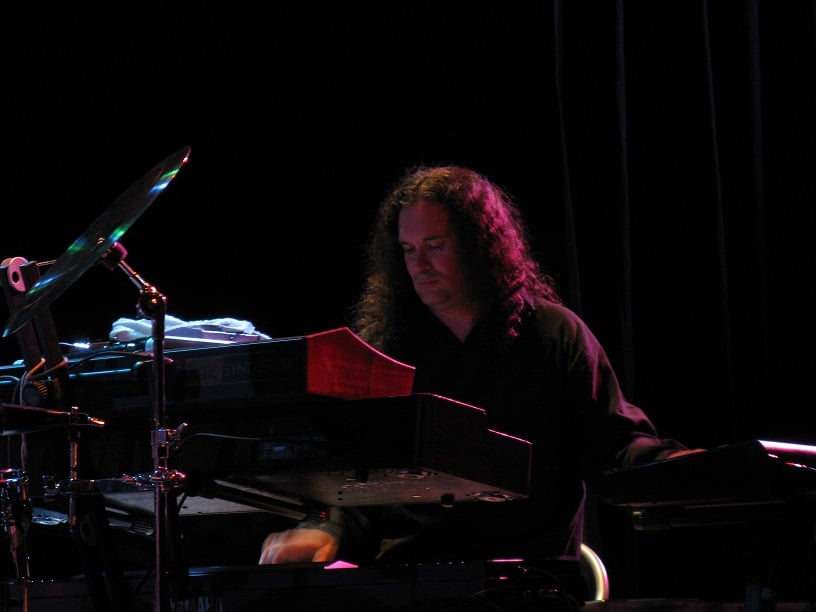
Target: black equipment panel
(419,448)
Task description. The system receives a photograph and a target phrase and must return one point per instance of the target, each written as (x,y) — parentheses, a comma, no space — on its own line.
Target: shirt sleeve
(616,433)
(351,528)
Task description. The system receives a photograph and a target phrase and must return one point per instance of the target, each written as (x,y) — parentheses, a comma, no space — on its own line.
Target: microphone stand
(166,483)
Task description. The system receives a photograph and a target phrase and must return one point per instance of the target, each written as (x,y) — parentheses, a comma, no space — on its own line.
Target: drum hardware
(37,340)
(15,518)
(29,296)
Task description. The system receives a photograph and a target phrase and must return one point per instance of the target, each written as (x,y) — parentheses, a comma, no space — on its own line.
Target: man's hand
(298,546)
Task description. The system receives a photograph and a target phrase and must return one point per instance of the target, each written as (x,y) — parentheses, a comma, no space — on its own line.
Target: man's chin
(430,298)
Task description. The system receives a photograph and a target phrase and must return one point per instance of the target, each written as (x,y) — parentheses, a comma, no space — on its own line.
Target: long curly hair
(500,272)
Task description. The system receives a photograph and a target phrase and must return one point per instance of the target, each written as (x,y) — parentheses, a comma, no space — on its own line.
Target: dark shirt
(552,385)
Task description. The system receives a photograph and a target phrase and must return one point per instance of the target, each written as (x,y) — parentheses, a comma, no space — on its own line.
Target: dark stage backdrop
(663,153)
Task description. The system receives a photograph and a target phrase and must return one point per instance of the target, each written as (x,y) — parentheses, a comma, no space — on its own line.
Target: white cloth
(221,330)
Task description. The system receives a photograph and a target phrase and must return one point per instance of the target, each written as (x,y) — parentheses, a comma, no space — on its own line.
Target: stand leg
(169,557)
(167,482)
(15,518)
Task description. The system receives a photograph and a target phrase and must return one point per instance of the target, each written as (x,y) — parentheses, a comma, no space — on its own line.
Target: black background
(299,116)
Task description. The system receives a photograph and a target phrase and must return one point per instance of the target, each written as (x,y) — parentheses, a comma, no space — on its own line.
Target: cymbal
(101,235)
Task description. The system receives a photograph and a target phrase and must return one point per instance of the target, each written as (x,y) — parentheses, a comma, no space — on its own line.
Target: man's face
(432,257)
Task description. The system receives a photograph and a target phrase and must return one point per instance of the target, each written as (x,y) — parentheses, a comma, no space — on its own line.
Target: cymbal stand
(166,483)
(38,343)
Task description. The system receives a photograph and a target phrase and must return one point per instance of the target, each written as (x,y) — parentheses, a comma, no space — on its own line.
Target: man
(452,288)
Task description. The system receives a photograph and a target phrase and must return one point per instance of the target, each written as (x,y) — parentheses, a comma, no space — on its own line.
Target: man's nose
(423,264)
